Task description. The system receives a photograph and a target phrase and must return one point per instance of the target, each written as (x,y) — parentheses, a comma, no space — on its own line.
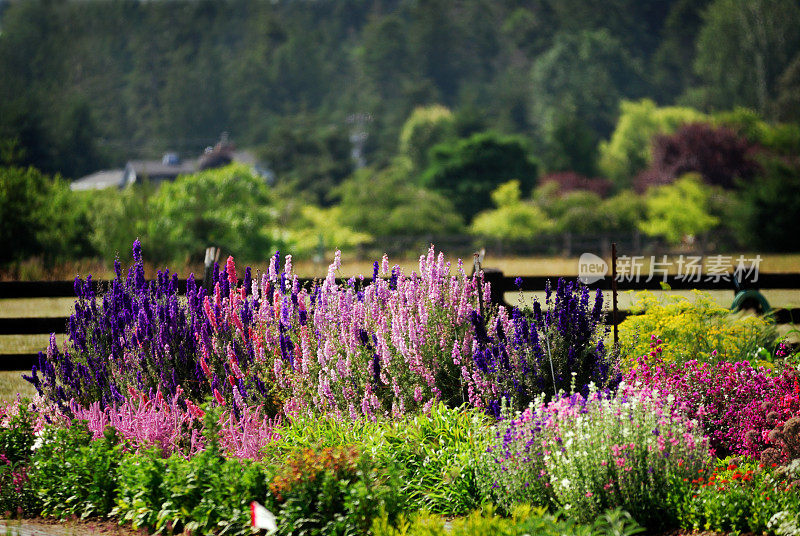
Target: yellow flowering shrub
(696,328)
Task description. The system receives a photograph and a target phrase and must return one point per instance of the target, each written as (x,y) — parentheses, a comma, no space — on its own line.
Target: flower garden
(403,404)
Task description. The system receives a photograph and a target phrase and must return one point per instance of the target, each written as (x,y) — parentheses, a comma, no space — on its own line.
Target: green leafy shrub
(335,491)
(73,475)
(16,432)
(40,216)
(16,440)
(678,209)
(739,496)
(697,329)
(431,456)
(231,207)
(524,521)
(467,170)
(512,219)
(140,496)
(434,458)
(206,494)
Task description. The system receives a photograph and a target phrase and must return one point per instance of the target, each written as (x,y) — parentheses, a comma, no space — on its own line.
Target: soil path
(42,527)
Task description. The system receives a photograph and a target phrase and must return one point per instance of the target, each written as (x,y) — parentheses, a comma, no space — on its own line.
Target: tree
(676,50)
(40,216)
(570,145)
(629,150)
(468,170)
(397,206)
(512,218)
(313,228)
(425,127)
(23,198)
(720,157)
(622,212)
(787,98)
(583,75)
(128,209)
(677,210)
(308,158)
(569,181)
(772,207)
(228,207)
(742,49)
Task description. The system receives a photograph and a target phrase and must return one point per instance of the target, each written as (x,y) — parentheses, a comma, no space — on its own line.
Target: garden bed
(392,406)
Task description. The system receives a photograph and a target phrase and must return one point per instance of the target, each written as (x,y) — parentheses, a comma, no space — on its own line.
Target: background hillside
(411,98)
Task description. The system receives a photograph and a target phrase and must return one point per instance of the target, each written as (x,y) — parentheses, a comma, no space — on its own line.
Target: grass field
(11,384)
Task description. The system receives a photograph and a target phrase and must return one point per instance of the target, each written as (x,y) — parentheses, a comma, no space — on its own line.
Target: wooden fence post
(614,292)
(212,256)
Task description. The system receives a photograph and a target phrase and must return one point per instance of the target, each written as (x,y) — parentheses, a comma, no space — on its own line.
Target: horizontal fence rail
(500,286)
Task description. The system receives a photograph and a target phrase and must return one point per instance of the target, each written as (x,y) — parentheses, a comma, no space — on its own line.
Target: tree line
(445,103)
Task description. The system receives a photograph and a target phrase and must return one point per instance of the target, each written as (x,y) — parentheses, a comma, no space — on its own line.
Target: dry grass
(32,307)
(12,384)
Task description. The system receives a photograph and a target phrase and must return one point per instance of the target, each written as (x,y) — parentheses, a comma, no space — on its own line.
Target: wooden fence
(500,285)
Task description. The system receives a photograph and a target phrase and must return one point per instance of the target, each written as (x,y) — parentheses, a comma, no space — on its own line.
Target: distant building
(155,171)
(100,180)
(167,169)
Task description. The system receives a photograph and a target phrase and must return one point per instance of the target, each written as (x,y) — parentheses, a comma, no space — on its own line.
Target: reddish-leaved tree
(717,153)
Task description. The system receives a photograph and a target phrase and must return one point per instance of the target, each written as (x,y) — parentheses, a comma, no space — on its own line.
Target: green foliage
(771,207)
(584,74)
(513,219)
(575,211)
(129,210)
(628,151)
(696,329)
(782,139)
(314,227)
(425,127)
(523,521)
(742,49)
(433,458)
(397,206)
(140,479)
(88,487)
(622,212)
(677,210)
(16,434)
(335,491)
(739,496)
(308,158)
(787,99)
(40,216)
(467,170)
(671,63)
(430,458)
(570,145)
(206,494)
(228,207)
(16,440)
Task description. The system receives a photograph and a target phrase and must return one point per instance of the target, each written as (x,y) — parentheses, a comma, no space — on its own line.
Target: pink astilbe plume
(145,423)
(161,423)
(246,436)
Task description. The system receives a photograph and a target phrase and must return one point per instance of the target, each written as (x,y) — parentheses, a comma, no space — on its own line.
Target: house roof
(99,180)
(166,169)
(156,169)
